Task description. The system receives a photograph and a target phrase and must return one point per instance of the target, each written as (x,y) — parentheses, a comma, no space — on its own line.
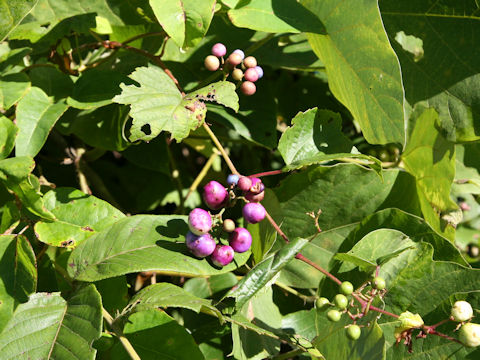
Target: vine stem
(266,173)
(221,149)
(126,344)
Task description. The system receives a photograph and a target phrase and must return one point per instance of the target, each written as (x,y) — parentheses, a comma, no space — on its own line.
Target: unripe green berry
(212,63)
(461,311)
(340,301)
(469,334)
(378,283)
(346,288)
(334,315)
(228,225)
(237,74)
(322,303)
(354,332)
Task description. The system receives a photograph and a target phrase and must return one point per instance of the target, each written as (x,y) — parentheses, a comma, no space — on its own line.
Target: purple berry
(219,50)
(215,195)
(259,71)
(250,62)
(212,63)
(253,212)
(251,75)
(239,52)
(254,197)
(200,246)
(232,179)
(234,59)
(257,185)
(240,240)
(248,88)
(244,183)
(222,255)
(199,221)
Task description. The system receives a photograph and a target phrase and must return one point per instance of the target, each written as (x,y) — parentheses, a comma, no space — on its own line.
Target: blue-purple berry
(239,52)
(232,179)
(259,71)
(240,240)
(254,212)
(215,195)
(200,246)
(199,221)
(222,255)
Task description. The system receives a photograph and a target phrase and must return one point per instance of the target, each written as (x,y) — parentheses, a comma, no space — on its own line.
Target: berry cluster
(462,313)
(248,71)
(199,239)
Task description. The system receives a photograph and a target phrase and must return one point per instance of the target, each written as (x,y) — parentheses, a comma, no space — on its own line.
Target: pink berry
(199,221)
(237,74)
(222,255)
(234,59)
(215,195)
(254,212)
(239,52)
(240,240)
(244,183)
(219,50)
(254,197)
(248,88)
(212,63)
(250,62)
(257,185)
(251,75)
(200,246)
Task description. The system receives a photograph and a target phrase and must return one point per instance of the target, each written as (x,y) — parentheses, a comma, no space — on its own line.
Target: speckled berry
(222,255)
(219,50)
(244,183)
(378,283)
(239,52)
(240,240)
(199,221)
(200,246)
(215,195)
(234,59)
(237,74)
(253,212)
(232,179)
(228,225)
(250,62)
(259,71)
(248,88)
(212,63)
(251,75)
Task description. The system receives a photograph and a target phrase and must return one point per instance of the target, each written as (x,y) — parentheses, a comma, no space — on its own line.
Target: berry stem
(118,332)
(267,173)
(221,149)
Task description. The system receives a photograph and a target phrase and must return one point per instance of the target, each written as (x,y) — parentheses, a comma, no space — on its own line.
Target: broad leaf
(211,286)
(221,92)
(141,243)
(79,216)
(48,327)
(52,81)
(36,116)
(8,133)
(12,88)
(300,323)
(12,13)
(362,68)
(19,274)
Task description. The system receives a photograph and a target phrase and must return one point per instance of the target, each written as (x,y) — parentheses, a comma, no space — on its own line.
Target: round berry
(334,315)
(250,62)
(354,332)
(248,88)
(461,311)
(199,221)
(222,255)
(219,50)
(244,183)
(340,301)
(212,63)
(259,71)
(215,195)
(232,179)
(200,246)
(234,59)
(239,52)
(321,303)
(254,212)
(253,197)
(346,288)
(237,74)
(240,240)
(469,334)
(257,185)
(228,225)
(378,283)
(251,75)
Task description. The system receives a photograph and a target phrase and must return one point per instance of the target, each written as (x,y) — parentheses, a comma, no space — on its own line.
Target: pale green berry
(469,334)
(461,311)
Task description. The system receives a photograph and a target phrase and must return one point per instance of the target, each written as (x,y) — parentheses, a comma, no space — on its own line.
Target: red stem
(267,173)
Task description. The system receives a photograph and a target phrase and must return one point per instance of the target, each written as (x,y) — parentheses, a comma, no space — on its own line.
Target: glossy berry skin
(250,62)
(251,75)
(234,59)
(212,63)
(354,332)
(254,212)
(200,246)
(215,195)
(239,52)
(334,315)
(340,301)
(346,288)
(461,311)
(378,283)
(244,183)
(253,197)
(248,88)
(219,50)
(240,240)
(228,225)
(232,179)
(222,255)
(322,303)
(237,74)
(259,71)
(199,221)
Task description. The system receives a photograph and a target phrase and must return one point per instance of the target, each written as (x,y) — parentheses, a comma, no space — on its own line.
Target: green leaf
(52,81)
(12,13)
(362,68)
(431,159)
(275,17)
(447,74)
(142,243)
(171,16)
(221,92)
(36,116)
(15,175)
(114,293)
(264,271)
(79,216)
(300,323)
(208,287)
(141,327)
(467,178)
(48,327)
(19,274)
(8,133)
(12,88)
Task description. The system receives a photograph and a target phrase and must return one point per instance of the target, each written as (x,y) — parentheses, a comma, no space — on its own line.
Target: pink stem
(267,173)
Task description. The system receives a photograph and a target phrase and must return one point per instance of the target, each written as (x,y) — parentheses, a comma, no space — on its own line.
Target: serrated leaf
(48,327)
(8,133)
(142,243)
(12,13)
(79,216)
(19,274)
(221,92)
(36,116)
(362,68)
(12,88)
